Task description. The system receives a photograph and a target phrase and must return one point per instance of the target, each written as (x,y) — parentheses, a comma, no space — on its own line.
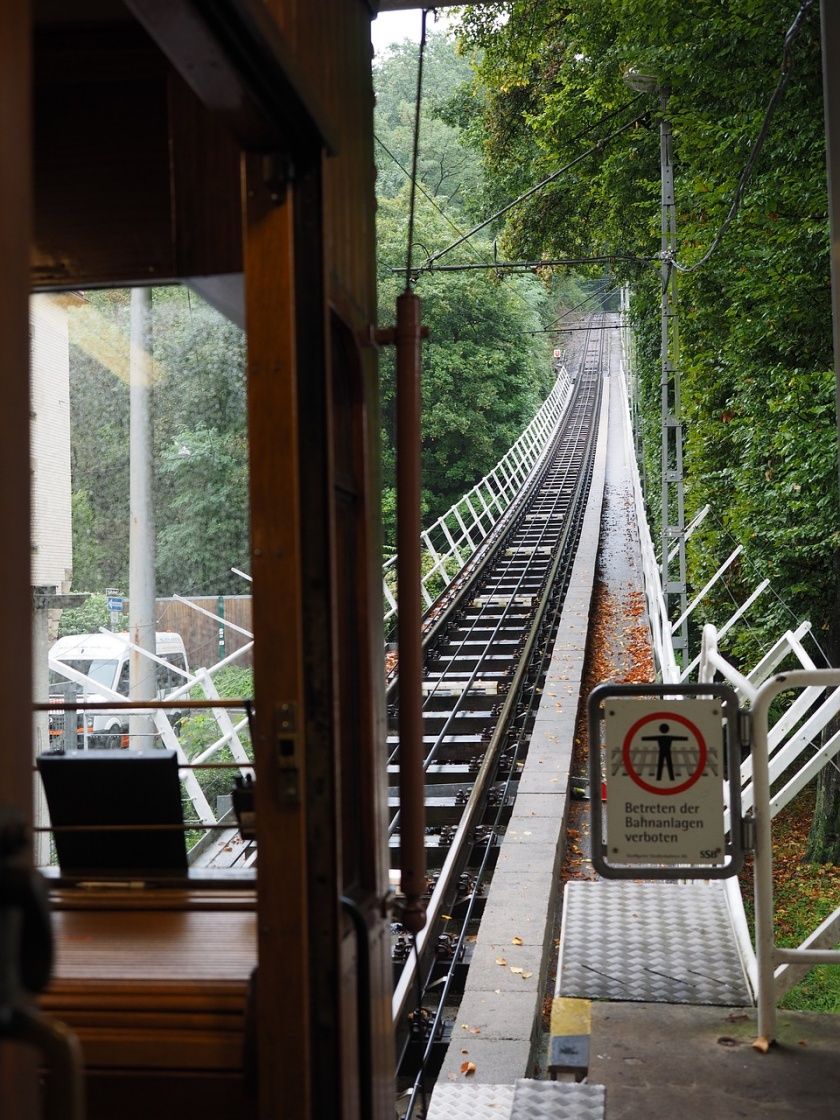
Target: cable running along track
(487,643)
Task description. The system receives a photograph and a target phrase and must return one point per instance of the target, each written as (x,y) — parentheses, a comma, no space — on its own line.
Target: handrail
(711,661)
(767,953)
(657,614)
(451,540)
(796,728)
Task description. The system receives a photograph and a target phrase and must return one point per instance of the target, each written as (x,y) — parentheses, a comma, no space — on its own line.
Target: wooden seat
(155,986)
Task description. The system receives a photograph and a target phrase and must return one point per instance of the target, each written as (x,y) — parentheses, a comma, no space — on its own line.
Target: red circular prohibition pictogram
(702,753)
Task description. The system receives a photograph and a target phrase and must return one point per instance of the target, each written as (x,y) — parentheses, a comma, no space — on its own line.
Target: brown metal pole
(412,777)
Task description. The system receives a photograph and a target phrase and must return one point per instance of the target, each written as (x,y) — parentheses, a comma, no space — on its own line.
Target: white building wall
(52,537)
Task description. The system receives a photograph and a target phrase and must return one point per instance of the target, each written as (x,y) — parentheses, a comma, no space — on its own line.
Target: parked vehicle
(104,658)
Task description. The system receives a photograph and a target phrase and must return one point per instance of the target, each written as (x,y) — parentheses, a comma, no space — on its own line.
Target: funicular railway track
(486,646)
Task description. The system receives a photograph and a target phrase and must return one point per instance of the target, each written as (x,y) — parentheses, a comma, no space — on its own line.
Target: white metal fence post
(765,950)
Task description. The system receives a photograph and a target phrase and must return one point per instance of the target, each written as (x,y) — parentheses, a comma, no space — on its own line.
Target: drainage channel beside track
(486,648)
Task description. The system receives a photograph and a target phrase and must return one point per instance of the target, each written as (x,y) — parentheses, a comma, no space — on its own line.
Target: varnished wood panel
(205,184)
(280,744)
(339,69)
(150,990)
(168,945)
(135,182)
(16,786)
(173,1096)
(102,200)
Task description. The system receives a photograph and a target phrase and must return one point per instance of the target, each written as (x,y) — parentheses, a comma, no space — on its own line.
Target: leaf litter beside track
(618,650)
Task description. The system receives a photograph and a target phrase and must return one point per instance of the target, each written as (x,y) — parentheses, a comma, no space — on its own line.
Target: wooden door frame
(18,1066)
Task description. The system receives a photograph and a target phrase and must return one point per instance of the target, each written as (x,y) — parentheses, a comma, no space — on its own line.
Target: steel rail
(521,550)
(580,430)
(510,564)
(571,537)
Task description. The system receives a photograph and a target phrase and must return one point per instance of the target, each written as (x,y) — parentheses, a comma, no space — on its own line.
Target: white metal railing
(776,749)
(796,730)
(660,625)
(777,969)
(453,538)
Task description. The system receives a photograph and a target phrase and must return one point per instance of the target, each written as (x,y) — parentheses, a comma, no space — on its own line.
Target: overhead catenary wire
(602,299)
(446,217)
(530,266)
(415,151)
(429,197)
(576,307)
(597,147)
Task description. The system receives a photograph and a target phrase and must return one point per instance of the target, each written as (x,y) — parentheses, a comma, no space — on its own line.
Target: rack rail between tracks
(486,643)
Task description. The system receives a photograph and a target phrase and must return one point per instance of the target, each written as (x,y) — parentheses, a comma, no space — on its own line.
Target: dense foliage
(200,445)
(755,319)
(757,387)
(486,366)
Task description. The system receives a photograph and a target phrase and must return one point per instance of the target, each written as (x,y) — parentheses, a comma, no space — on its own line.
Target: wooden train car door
(317,655)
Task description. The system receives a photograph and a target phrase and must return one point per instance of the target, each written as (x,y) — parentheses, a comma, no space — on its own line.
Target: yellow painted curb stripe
(571,1016)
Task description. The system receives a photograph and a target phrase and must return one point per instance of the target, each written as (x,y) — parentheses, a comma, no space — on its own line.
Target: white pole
(699,597)
(141,562)
(41,720)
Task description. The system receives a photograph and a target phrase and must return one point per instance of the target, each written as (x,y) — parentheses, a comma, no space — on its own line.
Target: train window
(144,384)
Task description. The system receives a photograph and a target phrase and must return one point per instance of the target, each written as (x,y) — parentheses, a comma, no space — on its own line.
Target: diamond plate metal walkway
(525,1100)
(650,942)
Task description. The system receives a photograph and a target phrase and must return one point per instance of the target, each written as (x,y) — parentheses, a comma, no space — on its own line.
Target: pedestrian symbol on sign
(664,753)
(664,740)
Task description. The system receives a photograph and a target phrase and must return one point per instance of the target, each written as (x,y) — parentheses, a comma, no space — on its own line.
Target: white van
(104,658)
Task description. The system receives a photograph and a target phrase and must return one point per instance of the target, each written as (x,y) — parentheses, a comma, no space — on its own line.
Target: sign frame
(734,849)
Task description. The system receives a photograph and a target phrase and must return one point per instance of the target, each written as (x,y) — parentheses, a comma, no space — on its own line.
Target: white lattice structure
(791,743)
(455,536)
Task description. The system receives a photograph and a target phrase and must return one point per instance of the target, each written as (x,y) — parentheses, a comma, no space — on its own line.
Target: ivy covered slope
(758,391)
(758,396)
(485,371)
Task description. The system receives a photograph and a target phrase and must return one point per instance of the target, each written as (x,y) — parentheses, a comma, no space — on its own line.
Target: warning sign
(664,780)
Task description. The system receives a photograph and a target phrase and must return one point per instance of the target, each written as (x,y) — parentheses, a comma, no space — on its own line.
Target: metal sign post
(662,755)
(115,606)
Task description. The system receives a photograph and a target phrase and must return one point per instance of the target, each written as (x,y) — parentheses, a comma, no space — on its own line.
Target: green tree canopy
(199,437)
(486,368)
(757,386)
(755,319)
